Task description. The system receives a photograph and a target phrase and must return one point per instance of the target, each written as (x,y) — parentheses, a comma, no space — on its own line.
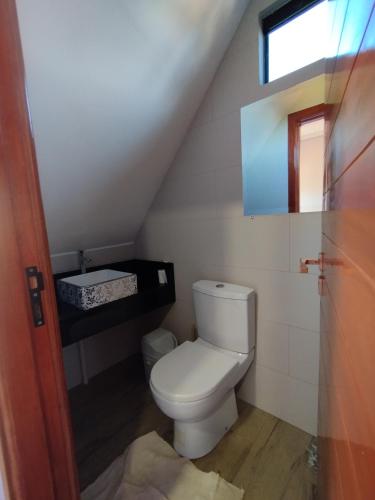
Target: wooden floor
(261,454)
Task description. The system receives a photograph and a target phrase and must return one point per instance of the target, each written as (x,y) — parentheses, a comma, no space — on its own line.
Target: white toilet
(194,384)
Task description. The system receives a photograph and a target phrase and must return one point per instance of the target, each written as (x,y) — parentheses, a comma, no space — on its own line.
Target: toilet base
(196,439)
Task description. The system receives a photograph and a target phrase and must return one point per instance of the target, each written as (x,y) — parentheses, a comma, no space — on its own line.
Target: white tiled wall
(69,261)
(196,221)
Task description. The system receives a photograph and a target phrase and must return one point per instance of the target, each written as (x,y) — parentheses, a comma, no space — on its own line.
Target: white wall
(112,87)
(196,221)
(68,261)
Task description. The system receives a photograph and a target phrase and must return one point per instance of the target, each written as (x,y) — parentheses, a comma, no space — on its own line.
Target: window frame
(276,19)
(295,120)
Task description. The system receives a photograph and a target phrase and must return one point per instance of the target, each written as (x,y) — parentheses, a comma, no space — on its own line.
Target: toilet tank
(225,315)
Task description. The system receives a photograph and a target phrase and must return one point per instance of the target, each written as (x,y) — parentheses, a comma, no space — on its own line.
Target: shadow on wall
(111,96)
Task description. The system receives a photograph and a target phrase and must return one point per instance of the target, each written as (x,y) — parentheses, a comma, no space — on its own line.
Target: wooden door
(295,121)
(347,373)
(35,438)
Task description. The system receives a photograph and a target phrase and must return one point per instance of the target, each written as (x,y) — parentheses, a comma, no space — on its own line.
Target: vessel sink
(90,290)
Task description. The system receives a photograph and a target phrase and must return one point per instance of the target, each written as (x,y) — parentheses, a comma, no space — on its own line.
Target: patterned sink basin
(89,290)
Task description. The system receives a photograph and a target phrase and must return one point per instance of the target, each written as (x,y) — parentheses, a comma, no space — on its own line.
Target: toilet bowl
(194,384)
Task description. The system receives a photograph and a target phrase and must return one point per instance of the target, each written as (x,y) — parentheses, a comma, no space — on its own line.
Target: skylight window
(295,36)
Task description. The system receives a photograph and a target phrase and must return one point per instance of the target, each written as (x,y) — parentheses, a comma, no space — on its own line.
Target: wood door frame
(36,446)
(295,120)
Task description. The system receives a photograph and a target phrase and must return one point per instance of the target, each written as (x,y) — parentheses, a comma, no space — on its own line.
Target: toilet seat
(192,372)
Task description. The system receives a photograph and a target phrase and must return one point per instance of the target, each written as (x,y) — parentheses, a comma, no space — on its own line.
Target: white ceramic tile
(214,145)
(180,321)
(272,345)
(273,295)
(186,273)
(282,297)
(228,192)
(156,238)
(192,196)
(198,195)
(233,274)
(304,301)
(204,113)
(271,288)
(245,33)
(233,81)
(262,242)
(226,141)
(289,399)
(304,355)
(179,239)
(285,297)
(195,153)
(300,405)
(265,389)
(166,202)
(248,32)
(196,240)
(305,239)
(63,263)
(116,254)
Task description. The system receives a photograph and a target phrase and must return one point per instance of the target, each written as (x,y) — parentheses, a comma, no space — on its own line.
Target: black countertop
(76,324)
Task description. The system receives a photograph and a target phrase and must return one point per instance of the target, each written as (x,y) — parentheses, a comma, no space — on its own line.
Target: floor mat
(150,469)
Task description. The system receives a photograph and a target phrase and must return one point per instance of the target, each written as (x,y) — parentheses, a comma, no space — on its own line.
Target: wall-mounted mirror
(282,140)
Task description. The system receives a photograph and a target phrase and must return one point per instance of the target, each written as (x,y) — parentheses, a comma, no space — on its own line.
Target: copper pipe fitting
(305,263)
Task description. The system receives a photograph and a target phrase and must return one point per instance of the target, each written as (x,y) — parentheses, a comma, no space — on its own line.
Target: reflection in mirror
(311,165)
(306,159)
(268,182)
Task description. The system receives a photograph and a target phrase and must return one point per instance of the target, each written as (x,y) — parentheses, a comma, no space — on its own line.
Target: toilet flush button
(220,285)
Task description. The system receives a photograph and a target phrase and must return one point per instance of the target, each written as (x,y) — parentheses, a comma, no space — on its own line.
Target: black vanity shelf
(76,325)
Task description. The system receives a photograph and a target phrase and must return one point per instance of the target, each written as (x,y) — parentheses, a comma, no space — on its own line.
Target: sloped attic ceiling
(112,87)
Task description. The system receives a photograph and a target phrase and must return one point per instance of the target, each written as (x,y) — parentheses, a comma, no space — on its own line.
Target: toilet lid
(191,372)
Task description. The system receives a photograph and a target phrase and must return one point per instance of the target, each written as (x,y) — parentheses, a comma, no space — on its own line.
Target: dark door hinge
(36,285)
